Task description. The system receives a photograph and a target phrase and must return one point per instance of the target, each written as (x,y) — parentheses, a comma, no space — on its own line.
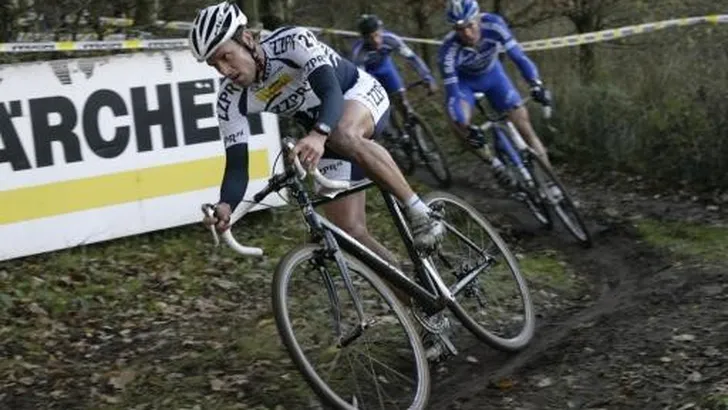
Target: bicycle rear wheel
(553,192)
(430,152)
(481,272)
(399,375)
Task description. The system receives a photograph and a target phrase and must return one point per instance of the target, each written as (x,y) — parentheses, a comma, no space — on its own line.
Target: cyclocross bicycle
(337,318)
(535,184)
(414,143)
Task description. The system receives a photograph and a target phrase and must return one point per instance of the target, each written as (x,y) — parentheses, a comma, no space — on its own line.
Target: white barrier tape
(160,44)
(613,34)
(545,44)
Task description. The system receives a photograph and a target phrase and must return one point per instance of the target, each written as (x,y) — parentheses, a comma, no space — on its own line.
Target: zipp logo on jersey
(281,45)
(292,102)
(274,88)
(224,100)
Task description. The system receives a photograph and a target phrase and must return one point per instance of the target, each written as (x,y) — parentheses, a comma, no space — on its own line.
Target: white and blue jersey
(378,62)
(466,70)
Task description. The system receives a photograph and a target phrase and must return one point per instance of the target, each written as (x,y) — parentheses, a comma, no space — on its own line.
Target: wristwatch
(322,128)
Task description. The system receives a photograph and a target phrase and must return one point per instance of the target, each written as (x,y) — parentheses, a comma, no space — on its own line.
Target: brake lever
(209,210)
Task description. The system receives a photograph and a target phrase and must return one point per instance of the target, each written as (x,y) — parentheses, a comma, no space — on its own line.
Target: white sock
(415,206)
(496,163)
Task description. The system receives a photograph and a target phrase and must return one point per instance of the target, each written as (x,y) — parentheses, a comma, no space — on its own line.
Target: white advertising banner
(95,149)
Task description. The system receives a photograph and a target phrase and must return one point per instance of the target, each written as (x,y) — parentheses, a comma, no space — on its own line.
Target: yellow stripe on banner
(132,44)
(65,45)
(58,198)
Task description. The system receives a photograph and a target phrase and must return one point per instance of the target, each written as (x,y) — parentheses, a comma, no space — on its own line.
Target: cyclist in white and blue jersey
(469,63)
(373,52)
(292,74)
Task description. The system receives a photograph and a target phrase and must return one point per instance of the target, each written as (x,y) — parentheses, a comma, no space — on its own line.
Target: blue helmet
(461,11)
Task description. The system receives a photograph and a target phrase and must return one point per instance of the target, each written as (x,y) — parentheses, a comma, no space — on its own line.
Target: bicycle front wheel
(491,296)
(552,191)
(374,363)
(430,152)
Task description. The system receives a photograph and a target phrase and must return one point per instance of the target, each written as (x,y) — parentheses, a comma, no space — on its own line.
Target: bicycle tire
(281,280)
(426,139)
(526,333)
(576,226)
(400,154)
(537,206)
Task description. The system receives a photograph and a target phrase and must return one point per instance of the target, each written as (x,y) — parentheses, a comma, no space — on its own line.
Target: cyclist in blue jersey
(469,63)
(373,53)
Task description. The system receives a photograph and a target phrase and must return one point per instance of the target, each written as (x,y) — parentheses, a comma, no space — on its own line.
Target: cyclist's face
(469,32)
(234,62)
(374,39)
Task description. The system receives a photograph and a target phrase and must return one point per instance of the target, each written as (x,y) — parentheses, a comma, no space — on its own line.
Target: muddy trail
(649,331)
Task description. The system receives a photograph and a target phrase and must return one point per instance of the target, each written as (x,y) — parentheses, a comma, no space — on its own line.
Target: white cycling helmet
(213,26)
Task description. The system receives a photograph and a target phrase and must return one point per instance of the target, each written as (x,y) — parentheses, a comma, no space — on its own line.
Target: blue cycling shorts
(495,84)
(388,75)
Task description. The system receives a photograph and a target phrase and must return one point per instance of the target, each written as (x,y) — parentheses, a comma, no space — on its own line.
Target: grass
(547,269)
(187,324)
(686,239)
(165,320)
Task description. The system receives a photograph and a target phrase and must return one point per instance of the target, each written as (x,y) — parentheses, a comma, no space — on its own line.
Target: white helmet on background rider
(213,26)
(461,11)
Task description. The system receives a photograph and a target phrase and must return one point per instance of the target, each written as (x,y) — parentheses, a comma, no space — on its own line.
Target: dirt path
(651,331)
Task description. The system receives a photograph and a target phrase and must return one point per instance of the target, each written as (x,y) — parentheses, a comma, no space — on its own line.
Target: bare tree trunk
(251,9)
(143,13)
(498,7)
(6,21)
(423,31)
(586,23)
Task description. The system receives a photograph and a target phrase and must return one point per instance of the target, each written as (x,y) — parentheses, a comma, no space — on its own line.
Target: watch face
(323,128)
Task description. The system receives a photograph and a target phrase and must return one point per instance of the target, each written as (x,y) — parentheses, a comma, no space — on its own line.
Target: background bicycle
(338,318)
(534,183)
(411,142)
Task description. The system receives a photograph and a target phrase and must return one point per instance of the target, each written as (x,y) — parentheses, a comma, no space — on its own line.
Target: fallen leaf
(683,338)
(505,384)
(110,399)
(224,284)
(545,382)
(37,310)
(695,377)
(27,381)
(216,384)
(120,381)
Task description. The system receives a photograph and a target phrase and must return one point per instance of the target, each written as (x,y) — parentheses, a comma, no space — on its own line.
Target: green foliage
(706,242)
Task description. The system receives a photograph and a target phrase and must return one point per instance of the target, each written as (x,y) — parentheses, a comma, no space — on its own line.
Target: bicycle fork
(503,144)
(332,249)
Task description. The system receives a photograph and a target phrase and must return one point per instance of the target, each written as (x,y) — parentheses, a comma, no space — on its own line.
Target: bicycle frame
(432,300)
(431,294)
(504,141)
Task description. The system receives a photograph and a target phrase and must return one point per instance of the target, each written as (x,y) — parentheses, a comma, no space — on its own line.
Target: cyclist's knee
(348,138)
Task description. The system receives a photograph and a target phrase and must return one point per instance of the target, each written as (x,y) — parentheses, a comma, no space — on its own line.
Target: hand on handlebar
(309,149)
(541,94)
(431,87)
(220,219)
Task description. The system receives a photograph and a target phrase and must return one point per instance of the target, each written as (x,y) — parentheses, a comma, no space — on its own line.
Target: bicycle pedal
(519,196)
(441,350)
(449,345)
